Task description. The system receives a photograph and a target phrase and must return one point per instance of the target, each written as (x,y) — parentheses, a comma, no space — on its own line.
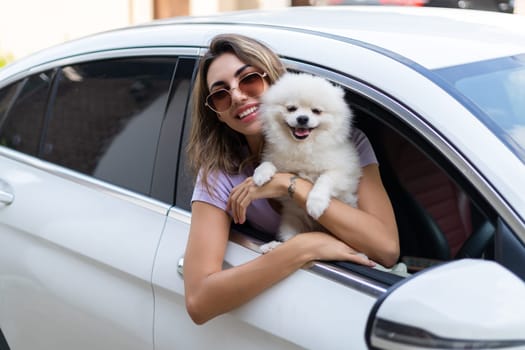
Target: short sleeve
(364,148)
(220,188)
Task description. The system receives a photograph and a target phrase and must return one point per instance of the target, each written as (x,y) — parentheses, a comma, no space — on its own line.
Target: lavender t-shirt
(260,214)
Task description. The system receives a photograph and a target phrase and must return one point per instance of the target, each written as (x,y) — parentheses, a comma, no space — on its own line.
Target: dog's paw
(290,226)
(284,236)
(263,173)
(316,204)
(267,247)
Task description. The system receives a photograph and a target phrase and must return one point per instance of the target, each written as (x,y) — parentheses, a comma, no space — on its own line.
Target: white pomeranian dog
(307,126)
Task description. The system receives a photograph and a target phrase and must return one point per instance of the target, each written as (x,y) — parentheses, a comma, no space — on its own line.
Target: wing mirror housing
(464,304)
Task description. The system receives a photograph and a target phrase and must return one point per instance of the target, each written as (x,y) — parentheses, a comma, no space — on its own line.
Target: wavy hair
(213,146)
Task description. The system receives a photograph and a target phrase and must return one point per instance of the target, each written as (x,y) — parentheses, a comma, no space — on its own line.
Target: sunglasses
(252,85)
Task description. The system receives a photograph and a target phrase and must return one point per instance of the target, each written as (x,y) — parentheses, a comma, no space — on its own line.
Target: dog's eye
(316,111)
(291,108)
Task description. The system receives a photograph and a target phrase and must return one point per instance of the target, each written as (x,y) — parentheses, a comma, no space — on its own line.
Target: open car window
(441,216)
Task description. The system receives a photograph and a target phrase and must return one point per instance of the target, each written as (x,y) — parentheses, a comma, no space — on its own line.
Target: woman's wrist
(301,243)
(291,185)
(284,181)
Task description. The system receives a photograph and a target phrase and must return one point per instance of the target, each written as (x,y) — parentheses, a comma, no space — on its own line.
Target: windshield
(495,91)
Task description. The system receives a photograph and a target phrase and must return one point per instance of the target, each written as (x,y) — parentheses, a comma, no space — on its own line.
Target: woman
(225,144)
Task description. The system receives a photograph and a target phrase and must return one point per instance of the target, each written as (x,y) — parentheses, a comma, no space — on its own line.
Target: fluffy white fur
(307,126)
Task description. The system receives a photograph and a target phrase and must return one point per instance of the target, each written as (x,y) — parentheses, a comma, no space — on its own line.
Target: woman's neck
(255,143)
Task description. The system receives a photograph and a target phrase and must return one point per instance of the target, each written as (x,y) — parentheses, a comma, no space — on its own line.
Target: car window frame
(403,120)
(170,152)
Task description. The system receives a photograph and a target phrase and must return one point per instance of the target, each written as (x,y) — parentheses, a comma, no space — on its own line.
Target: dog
(307,126)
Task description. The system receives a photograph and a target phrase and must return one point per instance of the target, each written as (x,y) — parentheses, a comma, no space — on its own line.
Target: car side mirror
(464,304)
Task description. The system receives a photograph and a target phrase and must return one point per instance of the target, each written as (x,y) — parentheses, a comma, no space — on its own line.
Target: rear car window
(106,117)
(21,119)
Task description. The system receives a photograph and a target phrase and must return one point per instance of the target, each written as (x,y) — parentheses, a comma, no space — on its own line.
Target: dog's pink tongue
(300,132)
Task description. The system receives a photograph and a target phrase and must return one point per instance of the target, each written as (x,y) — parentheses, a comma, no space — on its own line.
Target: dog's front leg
(293,221)
(320,194)
(263,173)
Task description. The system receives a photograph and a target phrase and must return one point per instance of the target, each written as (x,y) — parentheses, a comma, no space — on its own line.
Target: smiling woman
(232,77)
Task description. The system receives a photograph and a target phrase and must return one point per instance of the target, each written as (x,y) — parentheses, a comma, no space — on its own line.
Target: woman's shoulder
(358,136)
(216,186)
(364,148)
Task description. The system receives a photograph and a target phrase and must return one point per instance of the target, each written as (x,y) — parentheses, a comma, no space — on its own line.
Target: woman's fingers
(242,204)
(240,199)
(361,259)
(327,247)
(247,191)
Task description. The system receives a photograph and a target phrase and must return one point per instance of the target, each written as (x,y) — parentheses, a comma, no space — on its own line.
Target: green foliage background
(4,59)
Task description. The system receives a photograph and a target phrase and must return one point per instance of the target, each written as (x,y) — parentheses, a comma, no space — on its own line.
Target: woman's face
(225,72)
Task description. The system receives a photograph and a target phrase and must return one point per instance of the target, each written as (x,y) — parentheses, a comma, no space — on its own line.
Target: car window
(21,120)
(440,215)
(6,97)
(106,116)
(497,88)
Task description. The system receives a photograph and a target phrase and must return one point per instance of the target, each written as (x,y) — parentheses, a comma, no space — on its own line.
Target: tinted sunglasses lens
(220,100)
(252,84)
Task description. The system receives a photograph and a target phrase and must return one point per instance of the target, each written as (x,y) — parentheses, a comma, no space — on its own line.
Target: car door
(78,225)
(321,307)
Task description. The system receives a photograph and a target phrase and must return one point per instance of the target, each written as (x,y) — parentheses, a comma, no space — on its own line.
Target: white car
(95,194)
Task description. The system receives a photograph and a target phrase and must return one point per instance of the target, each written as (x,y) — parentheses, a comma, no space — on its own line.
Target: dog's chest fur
(308,160)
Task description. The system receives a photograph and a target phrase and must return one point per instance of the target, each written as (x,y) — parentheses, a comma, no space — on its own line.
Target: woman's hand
(246,192)
(325,247)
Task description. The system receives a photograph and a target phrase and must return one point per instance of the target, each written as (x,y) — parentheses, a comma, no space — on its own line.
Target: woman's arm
(371,228)
(211,291)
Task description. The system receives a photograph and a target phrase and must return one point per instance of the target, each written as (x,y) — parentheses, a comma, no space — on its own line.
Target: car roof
(433,37)
(429,37)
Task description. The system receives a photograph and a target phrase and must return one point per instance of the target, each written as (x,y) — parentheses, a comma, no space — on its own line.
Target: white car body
(87,264)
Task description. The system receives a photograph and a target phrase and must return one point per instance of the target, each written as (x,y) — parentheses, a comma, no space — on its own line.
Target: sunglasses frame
(228,91)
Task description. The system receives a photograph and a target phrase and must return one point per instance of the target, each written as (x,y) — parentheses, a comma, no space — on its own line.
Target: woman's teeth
(247,112)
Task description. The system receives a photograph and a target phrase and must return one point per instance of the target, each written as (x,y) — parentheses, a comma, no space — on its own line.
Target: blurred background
(27,26)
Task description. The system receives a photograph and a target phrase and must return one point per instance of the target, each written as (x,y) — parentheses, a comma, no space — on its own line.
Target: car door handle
(180,267)
(6,197)
(6,193)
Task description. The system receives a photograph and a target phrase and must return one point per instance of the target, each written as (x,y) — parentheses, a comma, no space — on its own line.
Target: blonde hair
(213,146)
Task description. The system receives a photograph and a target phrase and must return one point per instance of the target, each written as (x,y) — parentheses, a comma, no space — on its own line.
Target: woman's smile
(248,113)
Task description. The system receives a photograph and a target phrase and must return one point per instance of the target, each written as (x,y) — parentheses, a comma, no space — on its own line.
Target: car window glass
(185,177)
(6,97)
(106,118)
(24,117)
(497,88)
(170,144)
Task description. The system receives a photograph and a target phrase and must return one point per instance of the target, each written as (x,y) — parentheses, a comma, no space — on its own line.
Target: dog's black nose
(302,120)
